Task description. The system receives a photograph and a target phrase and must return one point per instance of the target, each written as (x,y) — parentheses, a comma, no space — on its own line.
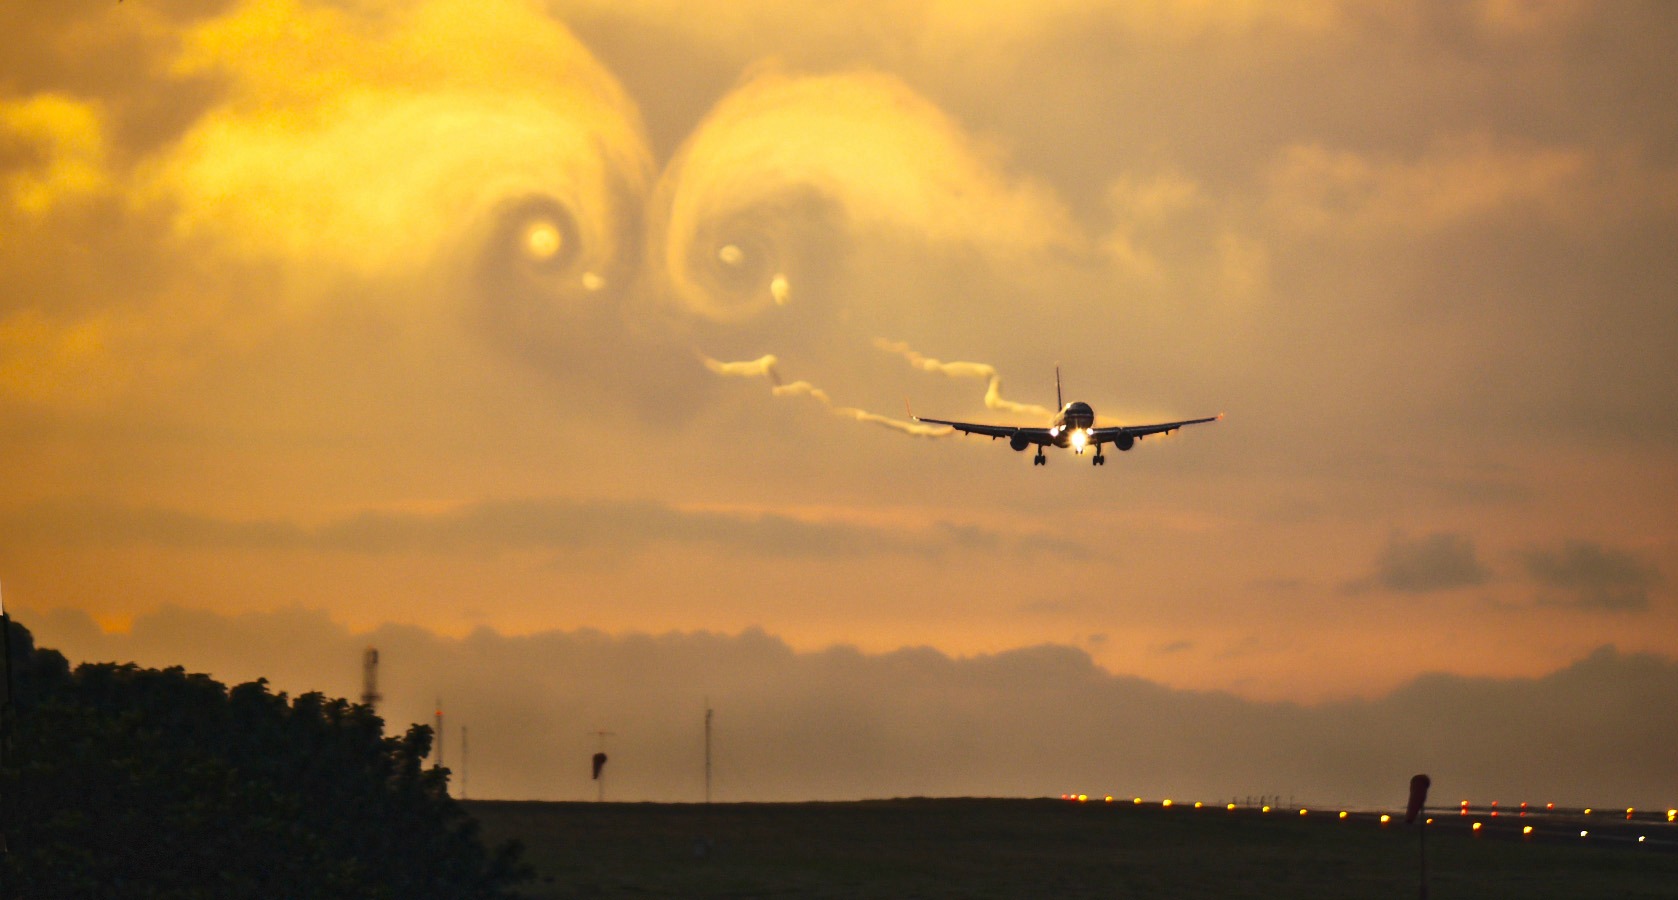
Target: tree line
(124,781)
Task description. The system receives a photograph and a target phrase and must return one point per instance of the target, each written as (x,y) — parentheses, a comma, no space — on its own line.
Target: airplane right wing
(1112,433)
(1029,435)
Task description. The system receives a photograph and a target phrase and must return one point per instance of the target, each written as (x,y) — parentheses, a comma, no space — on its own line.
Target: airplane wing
(1120,432)
(1031,435)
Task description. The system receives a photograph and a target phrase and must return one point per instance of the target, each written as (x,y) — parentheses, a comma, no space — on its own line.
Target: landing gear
(1099,459)
(1039,459)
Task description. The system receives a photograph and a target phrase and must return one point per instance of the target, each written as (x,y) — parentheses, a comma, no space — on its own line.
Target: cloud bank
(838,723)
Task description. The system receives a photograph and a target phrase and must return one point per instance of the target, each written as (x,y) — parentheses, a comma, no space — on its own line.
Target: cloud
(67,138)
(1587,575)
(837,723)
(554,525)
(788,164)
(363,137)
(1437,562)
(1319,190)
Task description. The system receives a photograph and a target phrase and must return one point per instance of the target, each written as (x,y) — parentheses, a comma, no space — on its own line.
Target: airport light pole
(5,716)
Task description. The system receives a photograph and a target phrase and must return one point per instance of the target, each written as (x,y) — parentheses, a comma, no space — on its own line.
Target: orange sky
(396,311)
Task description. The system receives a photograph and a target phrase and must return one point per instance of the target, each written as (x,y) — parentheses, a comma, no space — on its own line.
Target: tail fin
(1059,403)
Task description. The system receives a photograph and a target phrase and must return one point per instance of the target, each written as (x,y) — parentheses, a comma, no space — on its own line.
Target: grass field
(1038,848)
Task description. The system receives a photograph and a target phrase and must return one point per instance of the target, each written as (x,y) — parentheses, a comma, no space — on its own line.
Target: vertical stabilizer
(1059,403)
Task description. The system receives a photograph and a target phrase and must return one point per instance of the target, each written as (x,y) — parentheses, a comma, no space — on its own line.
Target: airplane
(1073,426)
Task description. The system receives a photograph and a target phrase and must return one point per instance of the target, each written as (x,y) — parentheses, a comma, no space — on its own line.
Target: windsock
(599,763)
(1418,797)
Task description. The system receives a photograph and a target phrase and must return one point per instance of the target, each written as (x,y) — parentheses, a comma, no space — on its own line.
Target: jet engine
(1124,442)
(1019,442)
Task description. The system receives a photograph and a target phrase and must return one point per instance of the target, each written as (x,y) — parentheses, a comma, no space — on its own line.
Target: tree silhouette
(134,782)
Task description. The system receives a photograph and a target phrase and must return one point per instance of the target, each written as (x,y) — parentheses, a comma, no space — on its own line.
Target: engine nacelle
(1019,442)
(1125,442)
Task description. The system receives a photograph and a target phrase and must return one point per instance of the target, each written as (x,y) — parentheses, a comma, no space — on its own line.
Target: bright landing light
(1080,439)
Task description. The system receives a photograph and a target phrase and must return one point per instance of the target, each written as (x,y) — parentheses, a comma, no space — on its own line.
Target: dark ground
(1053,848)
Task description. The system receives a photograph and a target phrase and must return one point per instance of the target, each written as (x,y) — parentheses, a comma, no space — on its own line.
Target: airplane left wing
(1113,433)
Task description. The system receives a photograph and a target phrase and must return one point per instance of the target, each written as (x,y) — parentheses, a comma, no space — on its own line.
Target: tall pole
(370,678)
(439,732)
(5,711)
(707,750)
(465,772)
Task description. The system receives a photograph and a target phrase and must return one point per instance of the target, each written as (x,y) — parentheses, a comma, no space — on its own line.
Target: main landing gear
(1099,459)
(1039,459)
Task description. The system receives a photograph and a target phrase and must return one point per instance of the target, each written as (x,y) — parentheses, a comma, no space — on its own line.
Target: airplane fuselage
(1074,420)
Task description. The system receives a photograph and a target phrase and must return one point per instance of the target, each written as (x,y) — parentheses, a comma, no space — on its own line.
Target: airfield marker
(1418,803)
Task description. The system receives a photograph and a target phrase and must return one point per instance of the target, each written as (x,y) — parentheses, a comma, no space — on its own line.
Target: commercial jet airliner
(1074,426)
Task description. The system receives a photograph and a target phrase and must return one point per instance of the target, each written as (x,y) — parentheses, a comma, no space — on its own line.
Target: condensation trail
(984,371)
(765,367)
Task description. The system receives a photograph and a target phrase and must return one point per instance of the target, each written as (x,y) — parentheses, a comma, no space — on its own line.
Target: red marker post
(1417,807)
(600,783)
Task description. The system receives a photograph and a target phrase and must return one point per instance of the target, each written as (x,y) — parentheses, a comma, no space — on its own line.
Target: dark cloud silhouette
(840,723)
(1437,562)
(1590,576)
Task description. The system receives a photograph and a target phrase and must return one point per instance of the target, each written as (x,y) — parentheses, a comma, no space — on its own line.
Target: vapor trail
(993,387)
(765,367)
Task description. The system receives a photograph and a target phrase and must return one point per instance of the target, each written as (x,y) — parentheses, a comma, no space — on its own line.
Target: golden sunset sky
(442,324)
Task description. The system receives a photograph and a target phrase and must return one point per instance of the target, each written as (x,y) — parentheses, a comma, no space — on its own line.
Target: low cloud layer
(1437,562)
(1589,576)
(839,723)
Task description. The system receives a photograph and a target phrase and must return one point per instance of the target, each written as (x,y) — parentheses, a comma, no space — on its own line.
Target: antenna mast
(370,678)
(707,750)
